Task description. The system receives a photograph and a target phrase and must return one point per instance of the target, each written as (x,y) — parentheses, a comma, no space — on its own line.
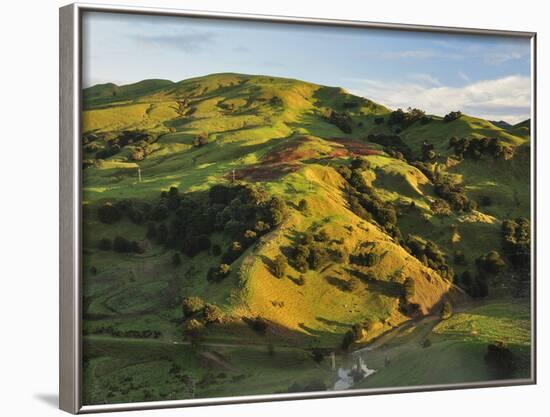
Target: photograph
(282,207)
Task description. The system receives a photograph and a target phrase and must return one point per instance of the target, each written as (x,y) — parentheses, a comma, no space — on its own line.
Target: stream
(354,369)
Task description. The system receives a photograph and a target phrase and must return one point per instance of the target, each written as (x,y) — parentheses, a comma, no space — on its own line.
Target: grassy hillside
(311,218)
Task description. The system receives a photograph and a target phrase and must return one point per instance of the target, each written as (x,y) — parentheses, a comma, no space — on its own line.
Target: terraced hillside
(239,209)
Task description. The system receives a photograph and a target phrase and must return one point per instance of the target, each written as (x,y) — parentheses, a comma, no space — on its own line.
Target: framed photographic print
(259,208)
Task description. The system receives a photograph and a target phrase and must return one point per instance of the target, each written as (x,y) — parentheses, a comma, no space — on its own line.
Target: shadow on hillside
(387,288)
(332,322)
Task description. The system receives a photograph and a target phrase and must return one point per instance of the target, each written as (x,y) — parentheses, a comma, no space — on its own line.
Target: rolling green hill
(303,213)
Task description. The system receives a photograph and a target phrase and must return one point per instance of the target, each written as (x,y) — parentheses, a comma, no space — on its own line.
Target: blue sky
(483,76)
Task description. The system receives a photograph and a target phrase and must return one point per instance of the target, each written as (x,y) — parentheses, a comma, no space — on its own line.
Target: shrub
(426,343)
(303,206)
(378,120)
(191,306)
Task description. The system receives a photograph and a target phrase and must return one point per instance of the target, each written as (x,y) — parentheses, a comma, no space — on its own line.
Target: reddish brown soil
(285,159)
(262,172)
(353,147)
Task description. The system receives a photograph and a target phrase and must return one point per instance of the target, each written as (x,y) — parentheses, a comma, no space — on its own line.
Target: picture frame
(71,211)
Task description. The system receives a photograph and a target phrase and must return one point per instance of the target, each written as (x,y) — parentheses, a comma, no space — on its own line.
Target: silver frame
(70,280)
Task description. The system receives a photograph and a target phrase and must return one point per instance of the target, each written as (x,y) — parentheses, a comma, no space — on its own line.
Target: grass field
(458,347)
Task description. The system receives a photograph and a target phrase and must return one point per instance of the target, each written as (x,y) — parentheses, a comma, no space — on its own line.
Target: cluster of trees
(136,334)
(490,263)
(454,194)
(393,145)
(141,140)
(197,315)
(516,240)
(475,148)
(342,120)
(185,222)
(407,118)
(122,245)
(141,150)
(364,202)
(368,259)
(454,115)
(311,252)
(477,286)
(430,255)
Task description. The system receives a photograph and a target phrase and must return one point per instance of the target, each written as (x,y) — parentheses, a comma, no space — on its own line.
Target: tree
(176,259)
(216,250)
(109,213)
(446,310)
(409,289)
(191,306)
(151,231)
(212,313)
(224,270)
(105,244)
(348,339)
(122,245)
(322,236)
(454,115)
(317,355)
(500,360)
(279,266)
(192,329)
(317,258)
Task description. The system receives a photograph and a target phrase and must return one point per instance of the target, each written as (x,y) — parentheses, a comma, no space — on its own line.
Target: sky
(483,76)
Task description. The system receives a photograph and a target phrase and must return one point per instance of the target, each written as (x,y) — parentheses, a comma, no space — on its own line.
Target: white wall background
(29,207)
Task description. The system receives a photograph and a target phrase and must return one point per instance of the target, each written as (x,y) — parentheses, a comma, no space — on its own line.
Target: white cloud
(507,98)
(425,79)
